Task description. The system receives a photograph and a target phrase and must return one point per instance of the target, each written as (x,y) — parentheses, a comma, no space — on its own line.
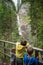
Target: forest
(8,21)
(21,20)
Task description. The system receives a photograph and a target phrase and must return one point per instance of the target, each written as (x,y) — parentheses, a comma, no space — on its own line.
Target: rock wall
(24,21)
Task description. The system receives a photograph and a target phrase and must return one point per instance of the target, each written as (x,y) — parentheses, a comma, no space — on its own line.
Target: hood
(19,46)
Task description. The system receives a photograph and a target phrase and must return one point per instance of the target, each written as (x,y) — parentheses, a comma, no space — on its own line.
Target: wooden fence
(37,50)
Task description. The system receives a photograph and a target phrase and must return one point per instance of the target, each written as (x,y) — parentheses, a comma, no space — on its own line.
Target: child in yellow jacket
(20,51)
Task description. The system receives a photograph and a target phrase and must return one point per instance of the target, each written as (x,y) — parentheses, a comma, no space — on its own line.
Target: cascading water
(23,27)
(18,22)
(17,3)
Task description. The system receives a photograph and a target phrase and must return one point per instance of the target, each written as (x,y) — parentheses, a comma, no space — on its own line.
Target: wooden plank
(38,49)
(5,48)
(5,54)
(8,42)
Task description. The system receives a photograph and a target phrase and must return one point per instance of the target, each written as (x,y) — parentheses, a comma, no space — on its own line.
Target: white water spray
(18,2)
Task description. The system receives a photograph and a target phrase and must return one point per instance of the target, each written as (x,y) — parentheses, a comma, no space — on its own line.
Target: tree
(37,20)
(36,15)
(8,24)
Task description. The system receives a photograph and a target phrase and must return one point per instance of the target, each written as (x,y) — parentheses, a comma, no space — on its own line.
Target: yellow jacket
(20,50)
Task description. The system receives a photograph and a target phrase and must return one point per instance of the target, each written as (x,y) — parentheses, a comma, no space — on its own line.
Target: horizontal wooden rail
(7,42)
(38,49)
(5,48)
(5,54)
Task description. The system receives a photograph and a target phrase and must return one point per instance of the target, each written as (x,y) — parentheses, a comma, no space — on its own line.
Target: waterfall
(23,26)
(18,22)
(17,3)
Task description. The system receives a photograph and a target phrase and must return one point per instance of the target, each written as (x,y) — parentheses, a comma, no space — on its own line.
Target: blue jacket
(30,60)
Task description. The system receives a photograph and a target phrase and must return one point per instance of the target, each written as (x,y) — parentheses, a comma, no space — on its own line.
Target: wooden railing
(4,43)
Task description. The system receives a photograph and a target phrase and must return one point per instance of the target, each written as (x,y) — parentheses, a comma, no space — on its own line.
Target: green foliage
(24,1)
(8,24)
(36,15)
(40,31)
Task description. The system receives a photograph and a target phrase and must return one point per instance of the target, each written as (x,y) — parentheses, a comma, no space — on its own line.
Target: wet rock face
(24,24)
(23,13)
(23,10)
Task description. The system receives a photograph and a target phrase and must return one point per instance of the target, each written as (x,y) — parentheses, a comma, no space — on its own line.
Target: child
(13,57)
(28,59)
(20,50)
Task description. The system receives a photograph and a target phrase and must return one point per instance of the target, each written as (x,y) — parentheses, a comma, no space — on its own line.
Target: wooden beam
(5,54)
(38,49)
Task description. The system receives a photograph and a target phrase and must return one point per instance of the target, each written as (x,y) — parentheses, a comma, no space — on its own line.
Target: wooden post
(4,52)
